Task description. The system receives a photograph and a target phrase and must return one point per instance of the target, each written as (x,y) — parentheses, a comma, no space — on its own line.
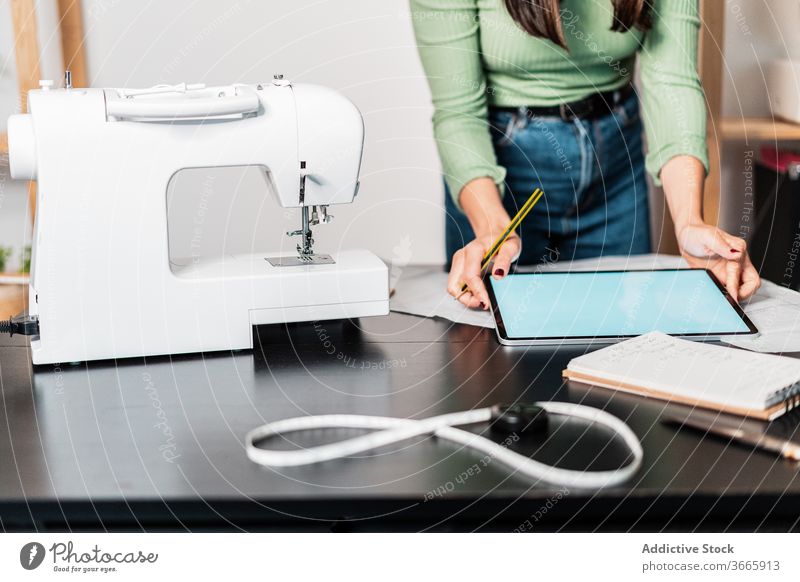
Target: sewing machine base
(204,306)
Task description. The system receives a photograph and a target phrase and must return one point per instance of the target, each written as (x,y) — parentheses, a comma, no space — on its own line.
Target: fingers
(733,270)
(751,281)
(466,268)
(455,281)
(505,256)
(473,255)
(725,245)
(742,279)
(454,277)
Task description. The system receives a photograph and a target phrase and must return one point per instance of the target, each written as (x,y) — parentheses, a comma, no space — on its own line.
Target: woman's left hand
(707,247)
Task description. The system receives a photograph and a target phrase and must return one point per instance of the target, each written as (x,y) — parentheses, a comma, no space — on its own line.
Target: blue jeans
(592,174)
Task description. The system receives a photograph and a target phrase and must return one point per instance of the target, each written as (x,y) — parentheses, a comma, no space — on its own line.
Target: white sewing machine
(103,284)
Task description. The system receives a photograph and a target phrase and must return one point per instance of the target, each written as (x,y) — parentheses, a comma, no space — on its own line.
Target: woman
(534,93)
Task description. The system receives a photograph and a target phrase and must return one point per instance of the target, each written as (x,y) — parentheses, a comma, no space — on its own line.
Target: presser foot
(305,250)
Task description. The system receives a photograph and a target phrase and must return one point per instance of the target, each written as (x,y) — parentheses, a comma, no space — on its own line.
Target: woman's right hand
(480,200)
(466,268)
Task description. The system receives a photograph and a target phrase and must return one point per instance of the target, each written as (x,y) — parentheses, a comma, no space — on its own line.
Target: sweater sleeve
(447,34)
(673,101)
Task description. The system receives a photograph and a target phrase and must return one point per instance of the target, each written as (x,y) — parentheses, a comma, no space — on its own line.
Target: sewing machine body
(103,284)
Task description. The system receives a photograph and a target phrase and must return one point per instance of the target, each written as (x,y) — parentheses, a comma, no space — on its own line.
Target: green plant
(5,253)
(25,260)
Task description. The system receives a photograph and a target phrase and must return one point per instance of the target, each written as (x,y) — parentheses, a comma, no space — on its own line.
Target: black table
(157,444)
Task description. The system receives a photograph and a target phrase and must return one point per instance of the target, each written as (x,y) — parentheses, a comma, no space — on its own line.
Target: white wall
(364,49)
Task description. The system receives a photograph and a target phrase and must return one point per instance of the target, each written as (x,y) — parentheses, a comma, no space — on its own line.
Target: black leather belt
(591,107)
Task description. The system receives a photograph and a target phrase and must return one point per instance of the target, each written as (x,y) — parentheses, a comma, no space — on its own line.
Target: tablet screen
(614,304)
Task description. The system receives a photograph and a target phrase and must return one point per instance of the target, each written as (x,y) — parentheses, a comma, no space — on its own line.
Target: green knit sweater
(476,56)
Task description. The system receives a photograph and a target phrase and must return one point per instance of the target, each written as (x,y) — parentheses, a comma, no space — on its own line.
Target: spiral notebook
(729,380)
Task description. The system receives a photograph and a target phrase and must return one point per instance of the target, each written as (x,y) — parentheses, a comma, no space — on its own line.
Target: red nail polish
(483,305)
(499,272)
(734,251)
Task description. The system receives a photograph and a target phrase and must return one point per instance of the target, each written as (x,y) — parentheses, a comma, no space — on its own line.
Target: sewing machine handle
(241,101)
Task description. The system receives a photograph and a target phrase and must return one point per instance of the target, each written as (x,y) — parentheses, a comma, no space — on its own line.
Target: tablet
(608,306)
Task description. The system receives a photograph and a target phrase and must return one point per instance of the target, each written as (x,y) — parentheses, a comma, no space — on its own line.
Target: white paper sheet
(425,294)
(774,310)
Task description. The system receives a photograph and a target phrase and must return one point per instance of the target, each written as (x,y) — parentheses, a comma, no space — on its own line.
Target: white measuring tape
(392,430)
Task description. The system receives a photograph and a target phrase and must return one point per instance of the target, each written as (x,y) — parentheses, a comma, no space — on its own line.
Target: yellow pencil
(512,226)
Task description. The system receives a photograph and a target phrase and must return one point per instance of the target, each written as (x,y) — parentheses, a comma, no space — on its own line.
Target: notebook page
(694,370)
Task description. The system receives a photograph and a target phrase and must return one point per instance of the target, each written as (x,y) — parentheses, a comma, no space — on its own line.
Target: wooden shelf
(758,129)
(14,278)
(13,300)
